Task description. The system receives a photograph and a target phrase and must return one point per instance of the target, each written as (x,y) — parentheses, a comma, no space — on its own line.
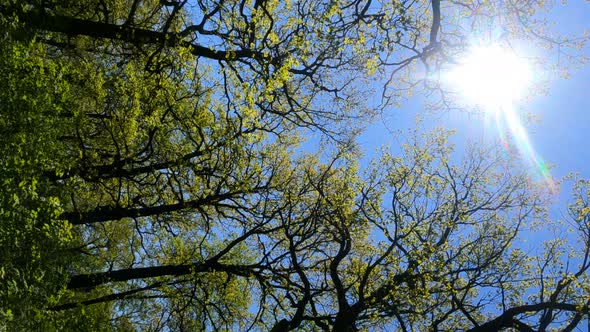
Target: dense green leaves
(32,238)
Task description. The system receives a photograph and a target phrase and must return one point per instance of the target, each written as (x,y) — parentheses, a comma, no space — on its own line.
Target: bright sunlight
(494,78)
(491,76)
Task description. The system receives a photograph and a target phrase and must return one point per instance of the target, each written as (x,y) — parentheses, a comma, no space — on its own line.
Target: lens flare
(495,78)
(507,121)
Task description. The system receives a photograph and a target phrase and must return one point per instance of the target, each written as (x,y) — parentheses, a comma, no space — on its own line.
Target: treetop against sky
(160,170)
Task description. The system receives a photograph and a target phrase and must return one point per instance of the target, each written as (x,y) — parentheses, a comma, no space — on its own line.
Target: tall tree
(152,179)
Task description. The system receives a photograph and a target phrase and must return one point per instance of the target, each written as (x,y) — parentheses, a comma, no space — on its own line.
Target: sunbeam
(495,78)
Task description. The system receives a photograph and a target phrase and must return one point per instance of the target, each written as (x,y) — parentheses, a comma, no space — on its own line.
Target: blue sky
(560,135)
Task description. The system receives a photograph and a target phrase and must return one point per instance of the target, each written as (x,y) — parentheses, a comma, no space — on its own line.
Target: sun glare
(495,78)
(491,76)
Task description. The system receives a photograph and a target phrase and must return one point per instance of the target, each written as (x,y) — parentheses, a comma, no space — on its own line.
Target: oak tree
(153,179)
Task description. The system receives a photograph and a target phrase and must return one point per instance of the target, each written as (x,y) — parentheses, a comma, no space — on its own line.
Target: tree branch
(78,27)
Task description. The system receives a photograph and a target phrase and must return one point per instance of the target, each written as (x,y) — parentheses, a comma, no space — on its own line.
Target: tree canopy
(153,176)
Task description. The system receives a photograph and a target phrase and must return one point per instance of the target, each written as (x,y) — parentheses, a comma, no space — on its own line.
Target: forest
(195,165)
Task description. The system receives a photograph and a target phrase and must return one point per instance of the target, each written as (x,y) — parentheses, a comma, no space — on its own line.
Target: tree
(421,244)
(152,177)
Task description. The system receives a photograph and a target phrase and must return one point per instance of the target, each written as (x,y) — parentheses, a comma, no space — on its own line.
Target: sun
(490,76)
(495,78)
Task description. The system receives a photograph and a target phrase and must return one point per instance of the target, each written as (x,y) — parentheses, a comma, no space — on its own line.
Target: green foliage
(32,238)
